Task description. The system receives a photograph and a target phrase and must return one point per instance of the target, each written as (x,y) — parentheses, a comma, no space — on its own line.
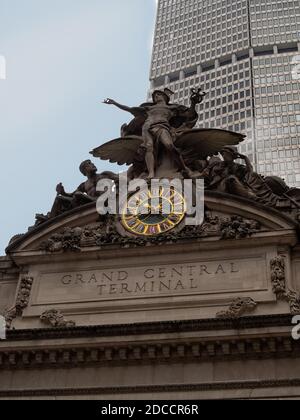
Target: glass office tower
(246,55)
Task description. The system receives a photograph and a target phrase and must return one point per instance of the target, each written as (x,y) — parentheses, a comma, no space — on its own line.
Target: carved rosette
(55,319)
(239,307)
(22,301)
(278,277)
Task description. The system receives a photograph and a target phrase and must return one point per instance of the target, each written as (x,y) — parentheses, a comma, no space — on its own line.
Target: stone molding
(130,353)
(163,327)
(16,354)
(145,389)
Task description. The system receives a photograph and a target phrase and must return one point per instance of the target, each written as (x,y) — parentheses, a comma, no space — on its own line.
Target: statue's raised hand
(60,189)
(240,156)
(109,101)
(197,96)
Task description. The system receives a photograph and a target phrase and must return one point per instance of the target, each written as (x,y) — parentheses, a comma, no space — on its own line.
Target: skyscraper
(245,54)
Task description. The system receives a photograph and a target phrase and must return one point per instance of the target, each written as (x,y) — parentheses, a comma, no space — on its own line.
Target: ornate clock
(141,217)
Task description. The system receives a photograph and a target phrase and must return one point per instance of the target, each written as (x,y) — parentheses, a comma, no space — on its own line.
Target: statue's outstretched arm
(134,111)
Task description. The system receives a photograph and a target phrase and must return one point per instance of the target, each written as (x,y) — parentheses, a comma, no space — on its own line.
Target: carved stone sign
(133,282)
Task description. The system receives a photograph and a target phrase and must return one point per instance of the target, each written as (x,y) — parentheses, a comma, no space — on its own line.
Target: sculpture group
(161,142)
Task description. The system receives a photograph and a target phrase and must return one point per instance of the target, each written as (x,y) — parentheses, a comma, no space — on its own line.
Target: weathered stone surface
(83,267)
(109,316)
(239,307)
(146,359)
(135,338)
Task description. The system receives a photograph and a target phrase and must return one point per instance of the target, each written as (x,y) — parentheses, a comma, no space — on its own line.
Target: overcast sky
(63,57)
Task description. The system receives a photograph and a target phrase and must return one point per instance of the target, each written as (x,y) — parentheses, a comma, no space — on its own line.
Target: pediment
(227,217)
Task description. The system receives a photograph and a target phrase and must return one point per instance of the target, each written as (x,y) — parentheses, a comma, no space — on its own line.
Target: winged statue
(161,139)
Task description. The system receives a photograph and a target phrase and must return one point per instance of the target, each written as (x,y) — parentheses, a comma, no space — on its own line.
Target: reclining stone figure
(84,194)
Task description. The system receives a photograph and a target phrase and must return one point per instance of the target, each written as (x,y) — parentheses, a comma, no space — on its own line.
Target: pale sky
(64,57)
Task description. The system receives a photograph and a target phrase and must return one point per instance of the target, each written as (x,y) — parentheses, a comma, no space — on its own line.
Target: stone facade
(206,313)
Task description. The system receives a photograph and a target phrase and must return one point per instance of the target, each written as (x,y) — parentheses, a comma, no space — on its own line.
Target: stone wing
(121,151)
(203,142)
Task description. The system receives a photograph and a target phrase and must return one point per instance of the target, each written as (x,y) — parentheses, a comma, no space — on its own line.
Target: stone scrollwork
(238,307)
(278,277)
(55,319)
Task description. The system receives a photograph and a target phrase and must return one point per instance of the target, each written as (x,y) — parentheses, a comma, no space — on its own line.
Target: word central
(149,280)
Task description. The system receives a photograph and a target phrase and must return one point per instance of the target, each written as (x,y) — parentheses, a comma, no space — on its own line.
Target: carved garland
(278,277)
(21,301)
(105,233)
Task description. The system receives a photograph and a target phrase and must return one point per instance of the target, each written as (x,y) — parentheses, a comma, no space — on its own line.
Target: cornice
(158,352)
(260,343)
(263,321)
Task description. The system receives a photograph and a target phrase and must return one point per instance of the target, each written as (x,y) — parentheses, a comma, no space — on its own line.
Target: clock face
(151,213)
